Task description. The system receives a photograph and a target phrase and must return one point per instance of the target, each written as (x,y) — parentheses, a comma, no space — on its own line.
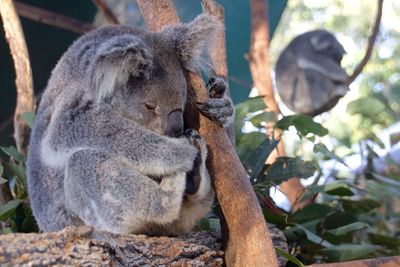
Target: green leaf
(348,228)
(285,168)
(204,225)
(289,257)
(359,206)
(313,237)
(383,240)
(366,106)
(338,189)
(2,180)
(249,142)
(321,148)
(263,117)
(14,153)
(311,212)
(337,219)
(1,170)
(254,161)
(253,104)
(8,208)
(29,118)
(347,252)
(303,124)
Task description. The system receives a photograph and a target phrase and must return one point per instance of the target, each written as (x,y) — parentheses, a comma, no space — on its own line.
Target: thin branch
(19,52)
(249,239)
(51,18)
(108,14)
(371,43)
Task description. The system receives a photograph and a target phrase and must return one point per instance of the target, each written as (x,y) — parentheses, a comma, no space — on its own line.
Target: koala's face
(326,43)
(156,100)
(142,75)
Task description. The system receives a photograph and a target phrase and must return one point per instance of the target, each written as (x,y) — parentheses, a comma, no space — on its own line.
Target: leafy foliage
(339,227)
(16,214)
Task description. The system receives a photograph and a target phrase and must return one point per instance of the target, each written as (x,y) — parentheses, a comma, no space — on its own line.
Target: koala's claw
(193,177)
(219,110)
(216,87)
(194,138)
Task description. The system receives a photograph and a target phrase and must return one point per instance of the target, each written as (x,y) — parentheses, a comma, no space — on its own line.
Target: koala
(309,77)
(109,147)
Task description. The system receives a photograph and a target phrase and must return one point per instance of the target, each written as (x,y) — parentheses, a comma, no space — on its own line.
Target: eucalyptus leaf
(338,189)
(304,125)
(314,237)
(347,252)
(29,118)
(263,117)
(14,153)
(311,212)
(321,148)
(1,169)
(348,228)
(289,257)
(367,106)
(285,168)
(9,207)
(359,206)
(384,240)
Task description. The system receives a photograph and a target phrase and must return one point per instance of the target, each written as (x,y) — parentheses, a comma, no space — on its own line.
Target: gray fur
(107,148)
(309,77)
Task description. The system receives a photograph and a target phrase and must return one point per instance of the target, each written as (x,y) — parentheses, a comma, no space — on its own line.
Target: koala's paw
(219,110)
(193,177)
(216,87)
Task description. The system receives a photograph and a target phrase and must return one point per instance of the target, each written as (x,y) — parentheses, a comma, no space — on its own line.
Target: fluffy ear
(116,60)
(192,39)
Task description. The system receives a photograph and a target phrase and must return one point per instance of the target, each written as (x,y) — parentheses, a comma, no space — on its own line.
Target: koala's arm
(93,126)
(324,65)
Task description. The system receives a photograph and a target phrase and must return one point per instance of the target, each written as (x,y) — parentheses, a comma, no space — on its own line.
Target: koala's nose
(174,124)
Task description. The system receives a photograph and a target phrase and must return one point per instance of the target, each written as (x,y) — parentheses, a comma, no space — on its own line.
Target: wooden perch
(51,18)
(249,242)
(371,42)
(108,14)
(19,52)
(86,247)
(261,74)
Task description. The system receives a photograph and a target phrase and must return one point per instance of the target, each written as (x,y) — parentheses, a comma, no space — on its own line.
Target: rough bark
(19,52)
(218,54)
(249,242)
(261,73)
(51,18)
(86,247)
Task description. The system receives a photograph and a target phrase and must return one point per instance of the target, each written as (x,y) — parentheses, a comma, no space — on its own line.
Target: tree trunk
(23,72)
(261,74)
(249,242)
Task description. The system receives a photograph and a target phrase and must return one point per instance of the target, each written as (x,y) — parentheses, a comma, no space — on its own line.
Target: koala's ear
(116,60)
(192,39)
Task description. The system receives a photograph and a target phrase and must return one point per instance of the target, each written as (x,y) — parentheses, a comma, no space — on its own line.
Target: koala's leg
(218,108)
(106,192)
(199,195)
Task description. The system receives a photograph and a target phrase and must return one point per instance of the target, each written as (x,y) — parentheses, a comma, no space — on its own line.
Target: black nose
(174,125)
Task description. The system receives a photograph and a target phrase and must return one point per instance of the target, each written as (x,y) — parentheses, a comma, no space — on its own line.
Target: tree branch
(370,46)
(109,15)
(249,241)
(24,84)
(261,73)
(51,18)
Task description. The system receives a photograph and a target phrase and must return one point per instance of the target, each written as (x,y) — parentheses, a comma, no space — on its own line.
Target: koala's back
(67,85)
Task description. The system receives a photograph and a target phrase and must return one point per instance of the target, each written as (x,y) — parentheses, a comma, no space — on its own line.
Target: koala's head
(142,74)
(326,43)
